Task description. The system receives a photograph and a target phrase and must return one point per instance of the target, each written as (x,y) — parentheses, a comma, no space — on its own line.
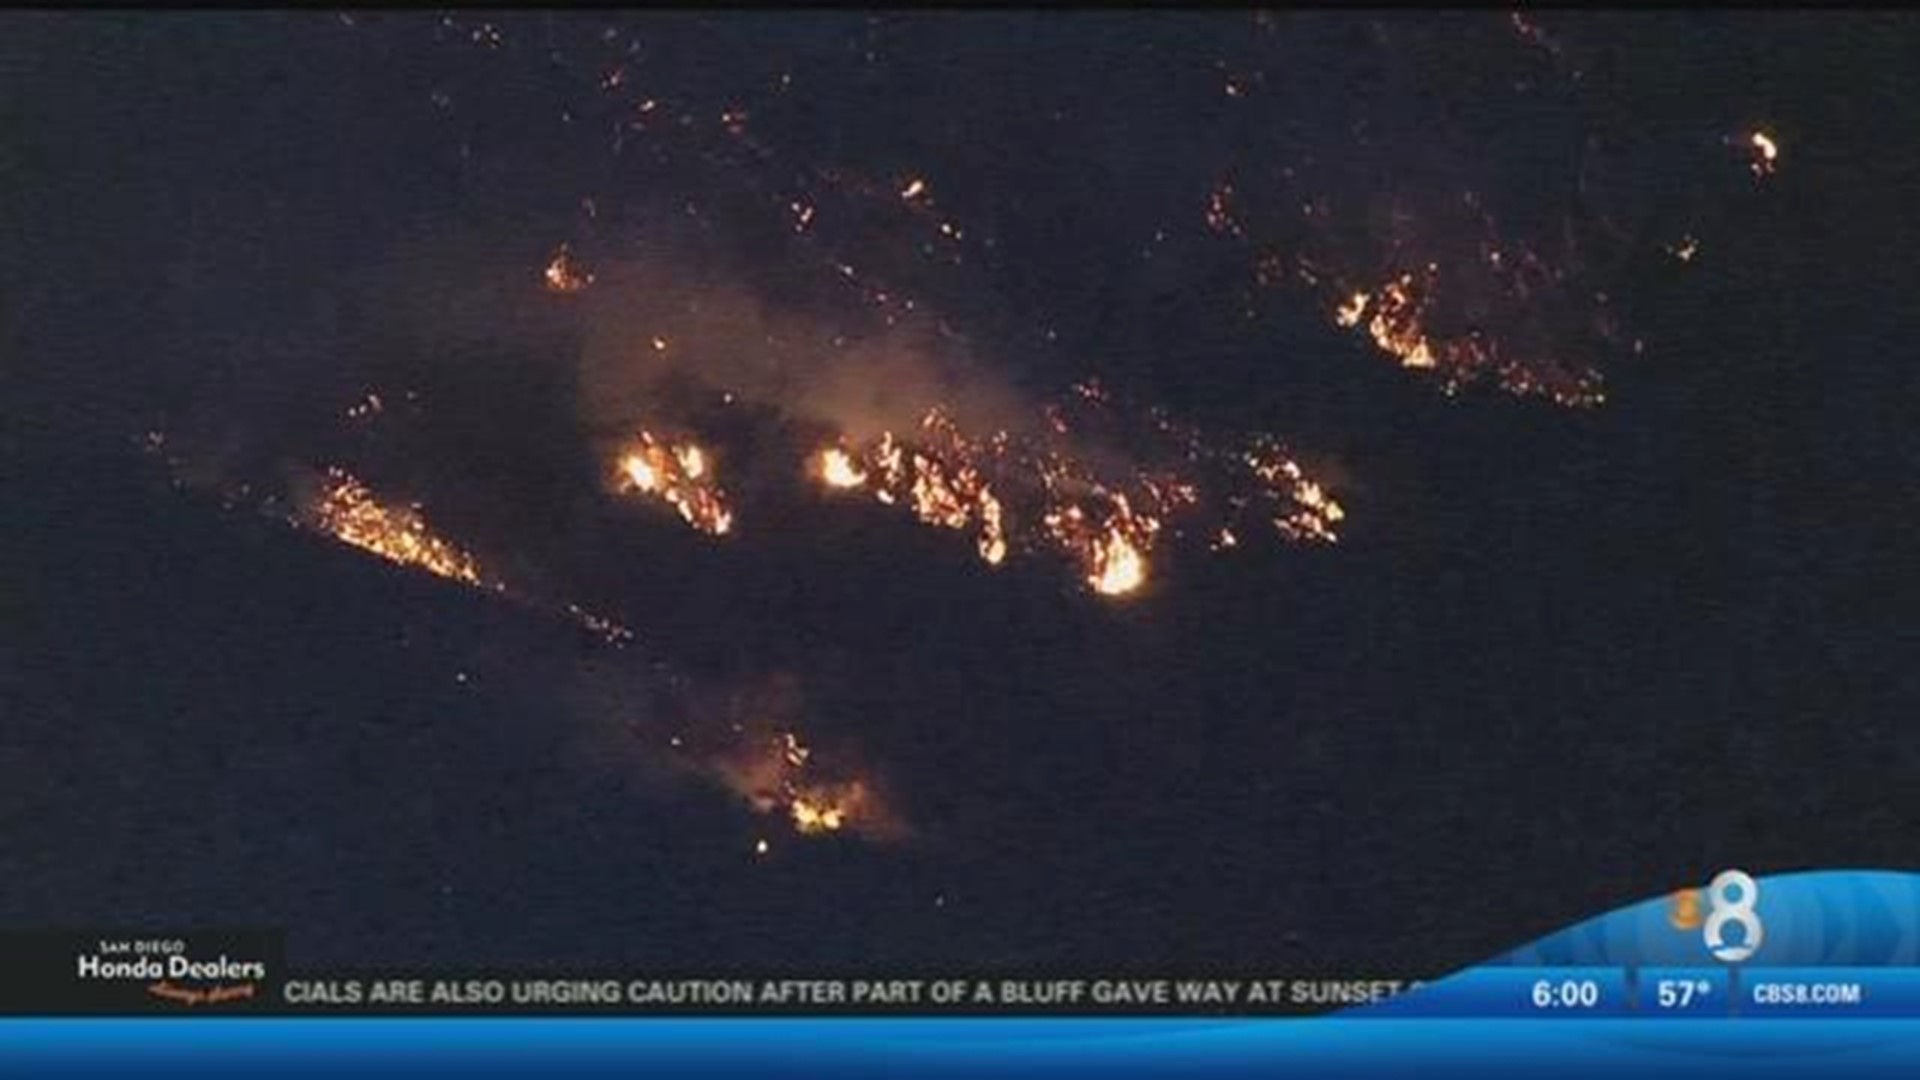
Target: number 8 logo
(1738,909)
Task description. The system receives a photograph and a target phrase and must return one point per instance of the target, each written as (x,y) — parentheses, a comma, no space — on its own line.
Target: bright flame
(812,817)
(1030,494)
(779,775)
(1395,326)
(1348,314)
(1118,567)
(679,474)
(838,469)
(1766,153)
(640,472)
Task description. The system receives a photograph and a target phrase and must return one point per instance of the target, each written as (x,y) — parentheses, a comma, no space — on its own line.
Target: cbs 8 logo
(1730,899)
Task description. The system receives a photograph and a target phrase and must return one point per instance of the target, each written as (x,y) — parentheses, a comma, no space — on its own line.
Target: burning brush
(678,474)
(1036,494)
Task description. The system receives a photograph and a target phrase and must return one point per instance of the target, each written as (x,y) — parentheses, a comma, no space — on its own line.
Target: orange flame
(839,470)
(1014,494)
(779,775)
(680,475)
(348,511)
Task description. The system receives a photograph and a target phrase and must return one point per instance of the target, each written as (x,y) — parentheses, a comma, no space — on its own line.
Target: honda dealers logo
(170,969)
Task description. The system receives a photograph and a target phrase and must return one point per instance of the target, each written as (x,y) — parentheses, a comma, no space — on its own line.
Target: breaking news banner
(144,972)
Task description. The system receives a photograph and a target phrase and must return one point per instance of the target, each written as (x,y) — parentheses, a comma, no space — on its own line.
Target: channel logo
(1729,903)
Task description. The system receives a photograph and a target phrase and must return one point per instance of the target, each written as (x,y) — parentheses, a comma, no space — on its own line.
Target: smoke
(652,327)
(753,737)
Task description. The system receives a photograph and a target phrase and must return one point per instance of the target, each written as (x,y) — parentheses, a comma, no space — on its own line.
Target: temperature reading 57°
(1681,993)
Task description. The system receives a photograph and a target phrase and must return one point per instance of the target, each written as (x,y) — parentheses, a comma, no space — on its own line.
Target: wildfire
(1394,316)
(1038,495)
(348,511)
(680,475)
(779,775)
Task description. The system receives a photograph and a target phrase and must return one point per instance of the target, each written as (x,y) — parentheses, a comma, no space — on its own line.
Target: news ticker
(1487,993)
(1828,944)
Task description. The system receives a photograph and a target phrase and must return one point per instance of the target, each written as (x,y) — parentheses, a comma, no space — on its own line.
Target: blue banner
(848,1049)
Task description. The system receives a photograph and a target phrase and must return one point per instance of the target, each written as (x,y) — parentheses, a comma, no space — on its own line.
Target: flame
(815,817)
(1766,153)
(680,475)
(839,470)
(1037,494)
(1348,314)
(821,807)
(1112,554)
(348,511)
(1395,326)
(1313,515)
(780,775)
(1119,567)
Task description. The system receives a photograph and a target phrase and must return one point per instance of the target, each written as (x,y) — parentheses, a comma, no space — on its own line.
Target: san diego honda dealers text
(174,966)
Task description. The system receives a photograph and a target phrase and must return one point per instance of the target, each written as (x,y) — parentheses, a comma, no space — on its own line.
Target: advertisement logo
(109,972)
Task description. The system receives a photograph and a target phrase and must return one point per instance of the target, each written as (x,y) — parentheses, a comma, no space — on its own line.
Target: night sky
(1621,594)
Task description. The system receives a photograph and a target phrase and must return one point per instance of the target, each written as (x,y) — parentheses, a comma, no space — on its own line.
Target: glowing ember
(1220,211)
(366,407)
(564,273)
(348,511)
(1349,313)
(678,474)
(605,629)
